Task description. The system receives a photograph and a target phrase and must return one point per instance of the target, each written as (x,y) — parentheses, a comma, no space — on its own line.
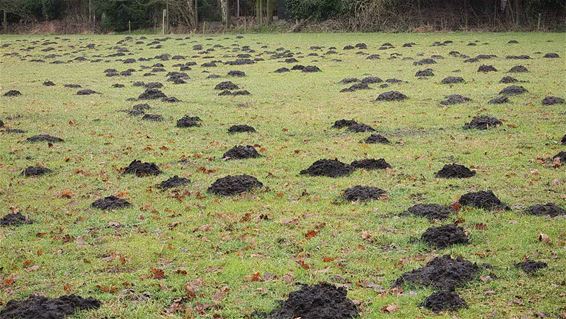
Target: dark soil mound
(241,152)
(321,301)
(376,139)
(226,85)
(531,266)
(37,307)
(513,90)
(551,55)
(563,141)
(425,61)
(233,185)
(1,123)
(329,168)
(518,69)
(152,94)
(455,99)
(344,123)
(349,80)
(14,219)
(560,156)
(241,129)
(454,171)
(452,80)
(152,117)
(110,202)
(518,57)
(430,211)
(48,83)
(141,169)
(487,68)
(551,100)
(483,122)
(173,182)
(44,138)
(189,121)
(391,96)
(508,79)
(362,193)
(370,164)
(442,273)
(444,300)
(499,100)
(311,69)
(482,199)
(141,107)
(282,70)
(549,209)
(86,92)
(444,236)
(371,80)
(237,73)
(424,73)
(356,87)
(360,128)
(35,171)
(13,93)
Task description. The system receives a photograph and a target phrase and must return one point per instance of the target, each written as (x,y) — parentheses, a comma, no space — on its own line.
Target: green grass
(293,113)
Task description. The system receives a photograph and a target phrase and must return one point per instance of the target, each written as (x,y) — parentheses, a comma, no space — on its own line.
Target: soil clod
(173,182)
(513,90)
(483,122)
(430,211)
(44,138)
(483,199)
(329,168)
(376,139)
(362,193)
(455,99)
(35,171)
(455,171)
(444,300)
(110,203)
(14,219)
(13,93)
(531,266)
(444,236)
(551,100)
(452,80)
(189,121)
(548,209)
(241,152)
(243,128)
(152,94)
(234,185)
(370,164)
(391,96)
(38,307)
(141,169)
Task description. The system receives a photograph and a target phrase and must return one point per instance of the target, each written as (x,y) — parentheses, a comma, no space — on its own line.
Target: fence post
(129,26)
(538,22)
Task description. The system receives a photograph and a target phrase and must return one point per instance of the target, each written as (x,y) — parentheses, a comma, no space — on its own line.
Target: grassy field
(245,253)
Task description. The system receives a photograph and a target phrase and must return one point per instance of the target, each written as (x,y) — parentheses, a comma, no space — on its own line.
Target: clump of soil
(282,70)
(483,122)
(487,68)
(444,300)
(141,169)
(531,266)
(424,73)
(311,69)
(362,193)
(13,93)
(549,209)
(189,121)
(518,69)
(452,80)
(86,92)
(321,301)
(241,152)
(226,85)
(370,164)
(356,87)
(14,219)
(44,138)
(482,199)
(563,141)
(376,139)
(173,182)
(391,96)
(371,80)
(444,236)
(110,202)
(344,123)
(561,156)
(455,99)
(430,211)
(35,171)
(349,80)
(513,90)
(152,117)
(360,128)
(38,307)
(425,61)
(152,94)
(455,171)
(1,123)
(329,168)
(502,99)
(443,273)
(237,73)
(48,83)
(233,185)
(551,100)
(241,129)
(551,55)
(508,79)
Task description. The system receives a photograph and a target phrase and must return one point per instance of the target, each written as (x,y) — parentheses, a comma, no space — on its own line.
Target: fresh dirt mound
(487,68)
(356,87)
(508,80)
(376,139)
(329,168)
(424,73)
(38,307)
(455,99)
(141,107)
(311,69)
(430,211)
(455,171)
(241,129)
(483,122)
(13,93)
(321,301)
(152,94)
(482,199)
(1,123)
(513,90)
(531,266)
(173,182)
(86,92)
(518,57)
(141,169)
(14,219)
(349,80)
(48,83)
(189,121)
(441,273)
(282,70)
(360,128)
(551,100)
(370,164)
(444,300)
(237,73)
(343,123)
(502,99)
(549,209)
(452,80)
(241,152)
(551,55)
(444,236)
(391,96)
(561,156)
(425,61)
(226,85)
(563,141)
(518,69)
(152,117)
(110,202)
(371,80)
(35,171)
(233,185)
(44,138)
(362,193)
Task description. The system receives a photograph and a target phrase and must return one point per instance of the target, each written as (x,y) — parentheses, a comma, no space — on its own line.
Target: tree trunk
(5,21)
(225,12)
